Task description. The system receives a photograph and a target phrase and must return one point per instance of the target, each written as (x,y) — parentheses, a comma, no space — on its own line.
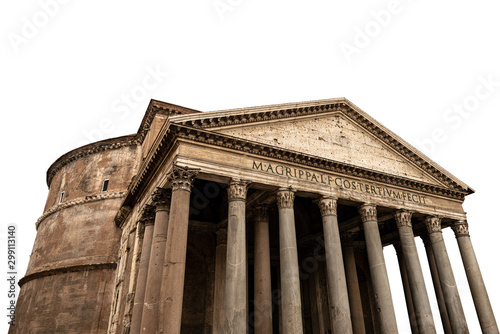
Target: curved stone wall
(72,265)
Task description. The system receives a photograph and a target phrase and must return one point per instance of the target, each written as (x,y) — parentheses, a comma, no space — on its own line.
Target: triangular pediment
(334,130)
(333,137)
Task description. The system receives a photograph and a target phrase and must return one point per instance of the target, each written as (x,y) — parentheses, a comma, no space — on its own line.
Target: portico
(263,217)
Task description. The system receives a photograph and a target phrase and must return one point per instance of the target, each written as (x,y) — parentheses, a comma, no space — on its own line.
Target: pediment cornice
(178,131)
(235,117)
(158,107)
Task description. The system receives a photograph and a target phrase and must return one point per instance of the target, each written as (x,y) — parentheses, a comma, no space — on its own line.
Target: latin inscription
(339,182)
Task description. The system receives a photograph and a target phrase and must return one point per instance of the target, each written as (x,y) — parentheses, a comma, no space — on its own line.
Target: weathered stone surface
(72,303)
(333,137)
(83,272)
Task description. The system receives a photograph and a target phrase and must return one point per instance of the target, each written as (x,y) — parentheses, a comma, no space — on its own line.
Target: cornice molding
(218,119)
(158,107)
(197,128)
(64,270)
(101,146)
(78,201)
(268,151)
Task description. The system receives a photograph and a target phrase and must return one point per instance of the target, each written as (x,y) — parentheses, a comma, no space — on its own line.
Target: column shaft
(415,276)
(289,264)
(220,281)
(378,271)
(150,312)
(235,321)
(263,303)
(355,305)
(340,313)
(475,279)
(406,288)
(140,290)
(448,284)
(172,288)
(445,319)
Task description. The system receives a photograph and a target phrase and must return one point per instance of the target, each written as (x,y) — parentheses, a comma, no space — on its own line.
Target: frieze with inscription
(337,182)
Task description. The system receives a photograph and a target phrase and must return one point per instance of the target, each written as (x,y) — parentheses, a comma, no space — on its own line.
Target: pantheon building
(261,220)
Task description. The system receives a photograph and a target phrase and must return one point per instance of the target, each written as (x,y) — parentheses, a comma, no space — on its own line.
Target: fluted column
(340,314)
(448,284)
(147,218)
(150,312)
(445,319)
(419,295)
(236,314)
(263,303)
(355,304)
(475,279)
(406,288)
(289,263)
(378,271)
(172,288)
(220,281)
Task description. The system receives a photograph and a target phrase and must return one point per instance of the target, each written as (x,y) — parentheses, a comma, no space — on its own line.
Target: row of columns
(160,282)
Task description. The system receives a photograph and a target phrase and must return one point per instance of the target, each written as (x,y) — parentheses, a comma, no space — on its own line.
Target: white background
(64,78)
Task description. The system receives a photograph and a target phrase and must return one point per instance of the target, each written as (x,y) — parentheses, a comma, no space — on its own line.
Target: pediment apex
(252,116)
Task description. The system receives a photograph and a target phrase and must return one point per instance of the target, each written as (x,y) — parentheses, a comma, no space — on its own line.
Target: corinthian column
(337,289)
(355,304)
(148,219)
(172,288)
(421,303)
(476,283)
(263,319)
(406,288)
(150,312)
(220,281)
(236,263)
(289,263)
(448,284)
(445,319)
(378,271)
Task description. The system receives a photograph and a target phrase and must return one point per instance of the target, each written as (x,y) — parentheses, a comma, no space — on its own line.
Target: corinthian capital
(461,228)
(161,199)
(182,177)
(368,212)
(221,236)
(433,224)
(285,197)
(261,214)
(237,190)
(403,218)
(148,215)
(327,205)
